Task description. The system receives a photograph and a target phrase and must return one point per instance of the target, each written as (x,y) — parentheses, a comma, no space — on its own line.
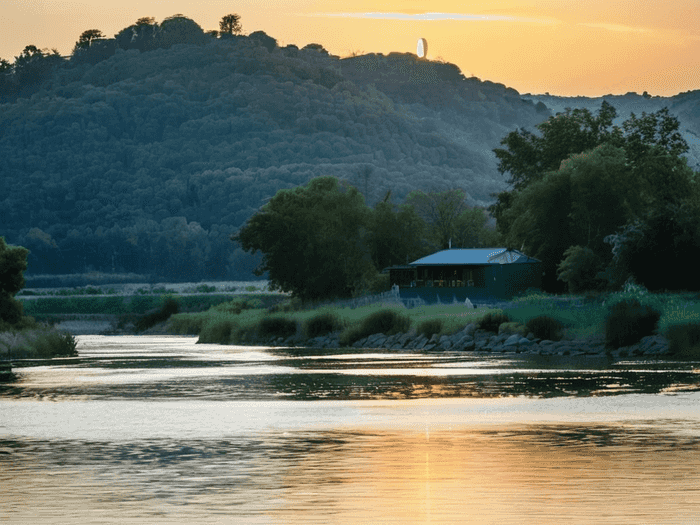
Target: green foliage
(185,324)
(583,178)
(37,343)
(276,327)
(170,307)
(218,331)
(10,309)
(671,230)
(430,327)
(527,156)
(545,327)
(322,324)
(684,339)
(628,322)
(311,238)
(579,269)
(492,320)
(396,235)
(387,322)
(13,264)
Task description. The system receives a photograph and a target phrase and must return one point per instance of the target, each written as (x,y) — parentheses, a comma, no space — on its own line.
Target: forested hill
(684,106)
(130,161)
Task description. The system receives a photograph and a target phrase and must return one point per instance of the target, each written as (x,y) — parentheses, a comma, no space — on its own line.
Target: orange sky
(589,48)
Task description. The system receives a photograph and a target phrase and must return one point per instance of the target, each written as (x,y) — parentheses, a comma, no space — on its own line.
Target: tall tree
(441,211)
(230,24)
(13,263)
(312,239)
(396,235)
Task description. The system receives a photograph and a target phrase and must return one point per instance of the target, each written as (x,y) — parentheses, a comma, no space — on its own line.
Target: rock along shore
(471,339)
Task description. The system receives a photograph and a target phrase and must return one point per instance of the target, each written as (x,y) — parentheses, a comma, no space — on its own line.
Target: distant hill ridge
(146,162)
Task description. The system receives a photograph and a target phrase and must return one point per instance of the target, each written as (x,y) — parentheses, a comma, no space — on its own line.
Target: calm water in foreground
(161,430)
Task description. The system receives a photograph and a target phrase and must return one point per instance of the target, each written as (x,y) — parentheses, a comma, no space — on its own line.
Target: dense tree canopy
(320,240)
(13,263)
(589,195)
(312,240)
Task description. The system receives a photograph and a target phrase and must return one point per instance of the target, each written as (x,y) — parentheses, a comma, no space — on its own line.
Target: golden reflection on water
(628,473)
(494,476)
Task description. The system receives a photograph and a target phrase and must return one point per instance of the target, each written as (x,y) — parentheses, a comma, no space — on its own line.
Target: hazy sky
(564,47)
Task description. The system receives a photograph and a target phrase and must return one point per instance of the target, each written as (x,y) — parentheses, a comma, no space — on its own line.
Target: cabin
(479,274)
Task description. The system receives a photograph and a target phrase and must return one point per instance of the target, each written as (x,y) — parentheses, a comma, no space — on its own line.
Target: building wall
(493,282)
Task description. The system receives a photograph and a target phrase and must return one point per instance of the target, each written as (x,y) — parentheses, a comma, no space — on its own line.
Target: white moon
(422,50)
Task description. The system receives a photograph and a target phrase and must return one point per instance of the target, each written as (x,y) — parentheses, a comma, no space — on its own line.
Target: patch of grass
(628,322)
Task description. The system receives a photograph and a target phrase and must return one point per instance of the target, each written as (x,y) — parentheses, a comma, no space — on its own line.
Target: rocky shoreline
(472,339)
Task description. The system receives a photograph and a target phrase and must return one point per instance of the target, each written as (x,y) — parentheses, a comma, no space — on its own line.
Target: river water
(152,429)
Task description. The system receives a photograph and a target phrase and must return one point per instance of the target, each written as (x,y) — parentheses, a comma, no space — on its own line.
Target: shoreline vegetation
(569,325)
(50,318)
(630,323)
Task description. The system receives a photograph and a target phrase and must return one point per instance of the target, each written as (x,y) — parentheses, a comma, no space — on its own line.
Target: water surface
(160,430)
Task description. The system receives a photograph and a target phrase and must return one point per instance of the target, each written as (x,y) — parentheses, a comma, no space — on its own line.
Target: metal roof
(474,256)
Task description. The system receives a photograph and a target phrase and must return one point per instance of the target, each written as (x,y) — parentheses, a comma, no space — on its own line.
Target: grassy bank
(581,316)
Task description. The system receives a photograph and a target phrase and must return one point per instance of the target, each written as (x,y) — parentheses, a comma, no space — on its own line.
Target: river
(158,429)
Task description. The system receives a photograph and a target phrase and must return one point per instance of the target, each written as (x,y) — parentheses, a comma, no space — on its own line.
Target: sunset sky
(588,48)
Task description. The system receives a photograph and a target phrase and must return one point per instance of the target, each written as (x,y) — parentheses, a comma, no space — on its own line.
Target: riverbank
(472,339)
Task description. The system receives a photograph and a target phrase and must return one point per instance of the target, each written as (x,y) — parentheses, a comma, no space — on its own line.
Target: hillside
(684,106)
(147,161)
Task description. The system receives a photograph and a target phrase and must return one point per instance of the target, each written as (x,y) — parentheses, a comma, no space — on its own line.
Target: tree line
(597,203)
(600,203)
(321,240)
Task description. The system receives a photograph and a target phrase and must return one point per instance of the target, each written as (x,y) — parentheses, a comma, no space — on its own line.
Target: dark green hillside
(147,161)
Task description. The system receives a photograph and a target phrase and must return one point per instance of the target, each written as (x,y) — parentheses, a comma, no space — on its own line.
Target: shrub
(430,327)
(54,344)
(684,339)
(276,327)
(217,331)
(579,269)
(545,327)
(170,307)
(387,322)
(38,343)
(629,321)
(185,324)
(350,336)
(492,320)
(322,324)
